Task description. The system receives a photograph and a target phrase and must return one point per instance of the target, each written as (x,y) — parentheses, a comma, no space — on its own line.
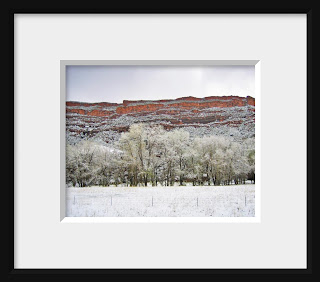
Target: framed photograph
(161,143)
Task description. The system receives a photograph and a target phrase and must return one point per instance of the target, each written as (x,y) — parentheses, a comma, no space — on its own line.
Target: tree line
(150,155)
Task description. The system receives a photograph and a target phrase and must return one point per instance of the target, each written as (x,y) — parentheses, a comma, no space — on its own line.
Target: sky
(117,83)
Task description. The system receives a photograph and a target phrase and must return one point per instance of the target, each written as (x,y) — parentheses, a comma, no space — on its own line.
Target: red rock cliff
(128,107)
(209,112)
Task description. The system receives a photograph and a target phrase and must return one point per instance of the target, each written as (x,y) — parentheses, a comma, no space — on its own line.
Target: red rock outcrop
(209,112)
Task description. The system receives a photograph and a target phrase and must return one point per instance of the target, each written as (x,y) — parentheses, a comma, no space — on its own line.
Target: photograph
(160,141)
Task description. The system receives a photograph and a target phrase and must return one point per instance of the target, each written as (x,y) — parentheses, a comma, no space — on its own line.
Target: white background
(278,241)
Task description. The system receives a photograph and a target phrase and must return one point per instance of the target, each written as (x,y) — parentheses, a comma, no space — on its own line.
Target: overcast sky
(117,83)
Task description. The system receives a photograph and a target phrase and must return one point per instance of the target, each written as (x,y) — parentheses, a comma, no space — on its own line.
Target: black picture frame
(94,273)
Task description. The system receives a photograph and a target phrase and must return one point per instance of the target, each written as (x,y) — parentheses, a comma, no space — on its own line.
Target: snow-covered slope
(228,116)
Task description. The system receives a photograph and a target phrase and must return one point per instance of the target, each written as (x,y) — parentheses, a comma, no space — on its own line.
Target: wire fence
(135,204)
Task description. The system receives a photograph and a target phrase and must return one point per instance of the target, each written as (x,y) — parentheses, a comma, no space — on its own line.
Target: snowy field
(176,201)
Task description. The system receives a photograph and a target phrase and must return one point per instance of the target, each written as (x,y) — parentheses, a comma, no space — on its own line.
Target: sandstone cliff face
(227,115)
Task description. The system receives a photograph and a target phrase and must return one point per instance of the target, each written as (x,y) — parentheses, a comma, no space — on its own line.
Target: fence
(241,204)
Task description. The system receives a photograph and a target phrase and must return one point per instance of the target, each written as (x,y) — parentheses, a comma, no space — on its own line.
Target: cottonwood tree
(109,167)
(155,146)
(151,155)
(177,143)
(81,163)
(249,148)
(134,144)
(212,161)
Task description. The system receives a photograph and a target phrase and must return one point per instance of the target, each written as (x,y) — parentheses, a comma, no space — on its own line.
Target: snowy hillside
(229,116)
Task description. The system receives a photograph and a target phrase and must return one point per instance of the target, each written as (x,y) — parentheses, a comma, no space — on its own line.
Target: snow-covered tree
(149,155)
(81,163)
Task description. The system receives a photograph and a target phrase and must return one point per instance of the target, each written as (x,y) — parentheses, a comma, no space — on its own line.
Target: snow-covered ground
(183,201)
